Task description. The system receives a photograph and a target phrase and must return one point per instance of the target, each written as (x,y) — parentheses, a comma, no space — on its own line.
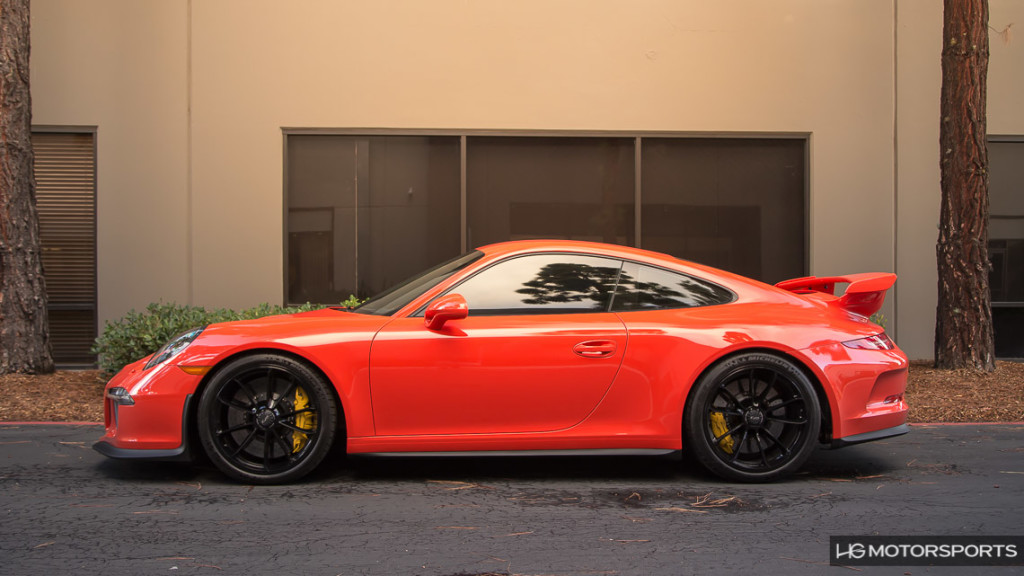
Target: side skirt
(479,453)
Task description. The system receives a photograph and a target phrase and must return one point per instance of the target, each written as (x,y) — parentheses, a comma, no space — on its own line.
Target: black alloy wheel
(753,418)
(267,419)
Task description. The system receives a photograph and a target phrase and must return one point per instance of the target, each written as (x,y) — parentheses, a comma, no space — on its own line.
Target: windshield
(397,297)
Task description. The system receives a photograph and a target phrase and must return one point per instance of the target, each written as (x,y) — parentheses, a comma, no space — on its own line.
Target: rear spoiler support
(864,295)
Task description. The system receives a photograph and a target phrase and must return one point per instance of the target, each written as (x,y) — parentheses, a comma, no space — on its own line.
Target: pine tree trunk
(963,324)
(24,338)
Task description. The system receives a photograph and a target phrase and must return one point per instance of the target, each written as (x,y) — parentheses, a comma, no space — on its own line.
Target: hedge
(139,334)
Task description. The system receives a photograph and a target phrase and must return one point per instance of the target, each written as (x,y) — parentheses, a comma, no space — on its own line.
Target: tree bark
(24,335)
(963,324)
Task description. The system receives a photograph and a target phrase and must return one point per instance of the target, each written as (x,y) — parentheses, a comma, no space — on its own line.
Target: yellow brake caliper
(719,427)
(306,420)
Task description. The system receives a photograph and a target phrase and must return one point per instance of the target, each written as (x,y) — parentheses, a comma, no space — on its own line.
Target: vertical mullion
(637,191)
(355,213)
(463,213)
(285,210)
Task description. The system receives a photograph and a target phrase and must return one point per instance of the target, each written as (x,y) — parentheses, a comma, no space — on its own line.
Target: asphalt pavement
(66,509)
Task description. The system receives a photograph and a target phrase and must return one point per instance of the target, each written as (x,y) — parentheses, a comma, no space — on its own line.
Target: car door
(537,352)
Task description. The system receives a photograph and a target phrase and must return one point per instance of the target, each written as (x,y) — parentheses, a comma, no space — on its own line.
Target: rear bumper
(865,390)
(870,436)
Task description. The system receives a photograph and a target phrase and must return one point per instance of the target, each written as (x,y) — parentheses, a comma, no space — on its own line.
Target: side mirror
(445,308)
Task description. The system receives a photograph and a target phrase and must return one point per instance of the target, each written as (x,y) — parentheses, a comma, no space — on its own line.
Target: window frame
(1007,139)
(93,132)
(453,289)
(732,294)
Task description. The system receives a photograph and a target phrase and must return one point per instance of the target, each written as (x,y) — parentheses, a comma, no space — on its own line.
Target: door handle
(595,349)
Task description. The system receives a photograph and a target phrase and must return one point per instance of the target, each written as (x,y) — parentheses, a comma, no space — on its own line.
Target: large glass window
(521,188)
(397,297)
(735,204)
(366,212)
(542,284)
(1006,245)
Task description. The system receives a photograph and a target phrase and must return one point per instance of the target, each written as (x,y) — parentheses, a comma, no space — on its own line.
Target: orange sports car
(545,347)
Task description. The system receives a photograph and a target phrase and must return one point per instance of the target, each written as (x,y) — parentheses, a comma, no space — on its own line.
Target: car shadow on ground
(849,463)
(150,472)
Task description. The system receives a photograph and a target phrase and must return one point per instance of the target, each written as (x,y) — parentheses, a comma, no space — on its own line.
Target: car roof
(734,282)
(511,248)
(614,250)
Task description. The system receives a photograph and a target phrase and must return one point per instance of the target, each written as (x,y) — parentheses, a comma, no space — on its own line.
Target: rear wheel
(267,419)
(753,418)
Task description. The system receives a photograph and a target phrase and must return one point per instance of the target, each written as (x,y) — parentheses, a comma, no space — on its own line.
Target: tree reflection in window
(574,284)
(562,283)
(649,288)
(542,284)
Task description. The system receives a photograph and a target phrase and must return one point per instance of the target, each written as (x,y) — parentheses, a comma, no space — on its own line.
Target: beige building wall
(121,66)
(919,78)
(190,99)
(535,65)
(1006,68)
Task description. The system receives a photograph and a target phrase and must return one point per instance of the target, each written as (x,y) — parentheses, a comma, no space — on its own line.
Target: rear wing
(863,296)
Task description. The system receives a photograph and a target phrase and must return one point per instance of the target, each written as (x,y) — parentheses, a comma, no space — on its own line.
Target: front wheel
(267,419)
(753,418)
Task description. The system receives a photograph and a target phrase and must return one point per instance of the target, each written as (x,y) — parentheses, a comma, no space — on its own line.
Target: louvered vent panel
(65,169)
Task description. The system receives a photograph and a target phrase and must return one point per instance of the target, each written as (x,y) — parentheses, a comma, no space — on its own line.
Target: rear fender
(804,364)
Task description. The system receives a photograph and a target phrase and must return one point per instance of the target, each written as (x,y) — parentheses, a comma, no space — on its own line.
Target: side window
(542,284)
(649,288)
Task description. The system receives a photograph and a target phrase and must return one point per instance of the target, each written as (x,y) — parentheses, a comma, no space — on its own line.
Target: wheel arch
(191,416)
(824,435)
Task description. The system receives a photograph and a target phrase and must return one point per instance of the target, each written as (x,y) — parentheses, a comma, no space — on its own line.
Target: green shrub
(352,301)
(139,334)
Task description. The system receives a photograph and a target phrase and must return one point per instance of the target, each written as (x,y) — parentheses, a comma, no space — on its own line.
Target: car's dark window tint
(542,284)
(394,299)
(649,288)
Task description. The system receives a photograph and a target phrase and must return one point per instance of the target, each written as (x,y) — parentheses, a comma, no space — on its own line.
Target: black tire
(267,419)
(753,418)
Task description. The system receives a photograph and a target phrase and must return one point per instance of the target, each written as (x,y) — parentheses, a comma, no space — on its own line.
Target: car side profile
(549,347)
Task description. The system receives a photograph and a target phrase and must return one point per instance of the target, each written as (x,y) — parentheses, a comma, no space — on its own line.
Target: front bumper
(146,413)
(182,453)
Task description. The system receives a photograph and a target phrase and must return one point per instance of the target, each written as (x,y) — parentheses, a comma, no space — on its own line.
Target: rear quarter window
(643,287)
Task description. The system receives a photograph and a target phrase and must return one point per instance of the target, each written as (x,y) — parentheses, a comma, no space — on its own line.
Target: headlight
(176,346)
